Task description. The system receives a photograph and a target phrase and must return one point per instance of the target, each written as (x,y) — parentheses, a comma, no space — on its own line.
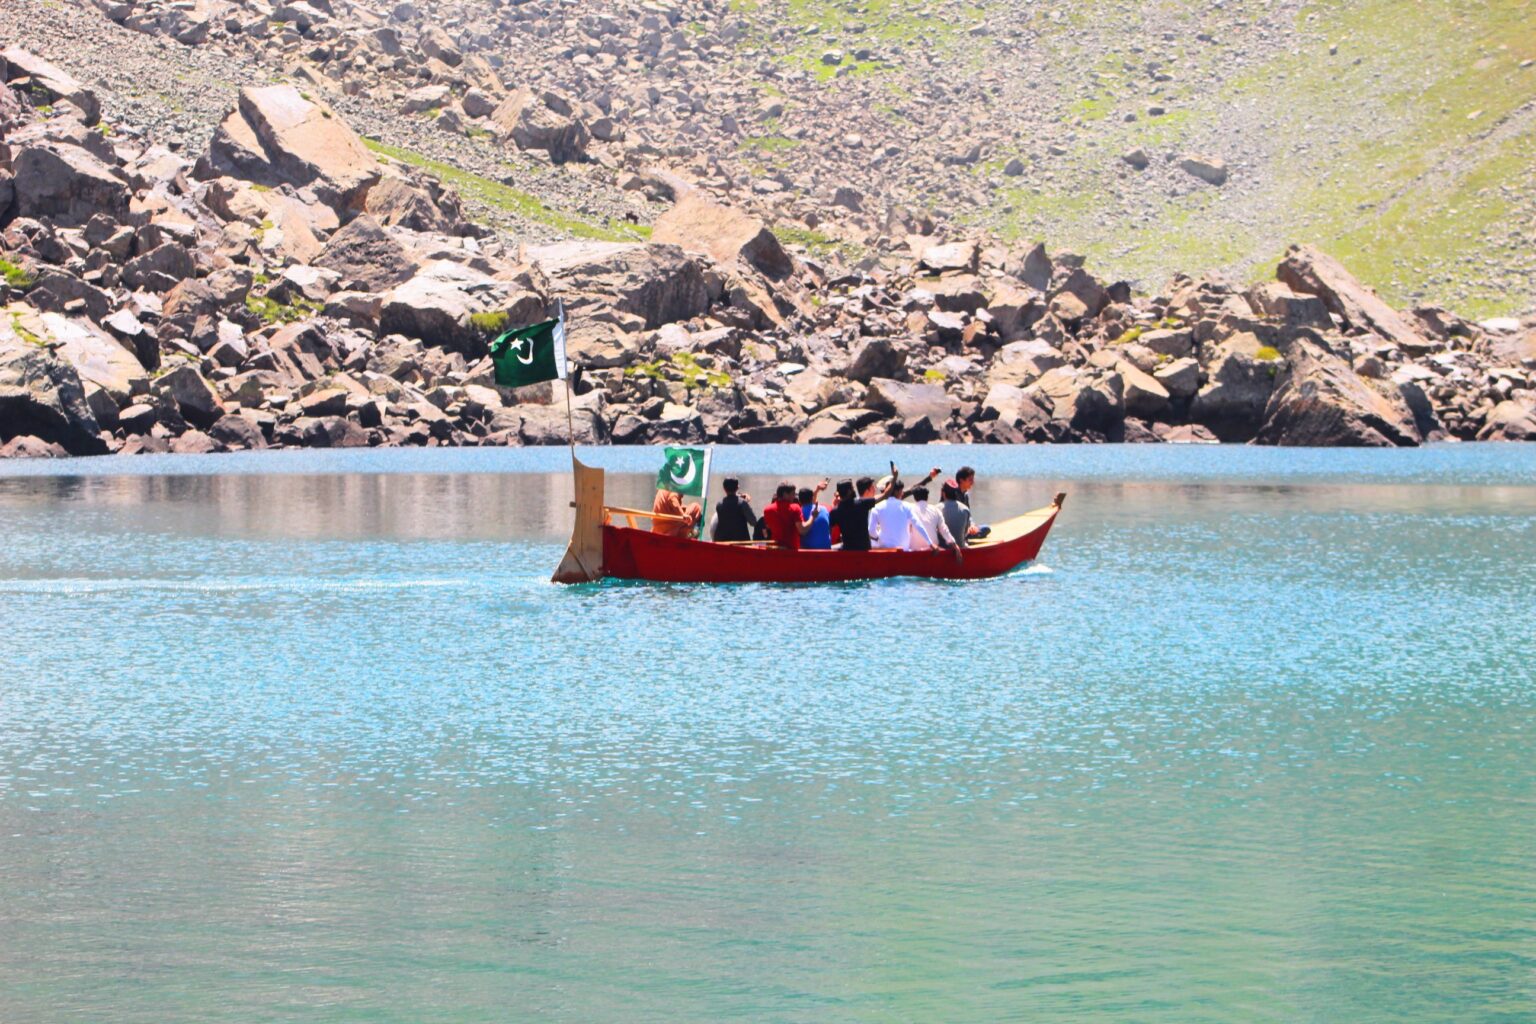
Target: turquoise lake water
(309,737)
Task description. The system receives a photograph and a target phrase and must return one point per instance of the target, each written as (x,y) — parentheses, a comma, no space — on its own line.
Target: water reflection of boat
(607,541)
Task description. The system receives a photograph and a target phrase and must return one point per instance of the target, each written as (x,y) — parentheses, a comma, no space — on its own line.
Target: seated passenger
(893,526)
(851,516)
(932,521)
(818,517)
(670,503)
(957,515)
(734,517)
(783,518)
(964,480)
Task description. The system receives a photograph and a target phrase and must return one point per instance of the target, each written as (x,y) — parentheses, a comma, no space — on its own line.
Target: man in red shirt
(784,519)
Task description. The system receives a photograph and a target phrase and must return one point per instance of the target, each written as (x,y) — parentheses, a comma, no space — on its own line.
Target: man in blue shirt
(819,536)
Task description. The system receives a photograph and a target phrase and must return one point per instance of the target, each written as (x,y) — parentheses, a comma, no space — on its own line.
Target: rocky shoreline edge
(291,286)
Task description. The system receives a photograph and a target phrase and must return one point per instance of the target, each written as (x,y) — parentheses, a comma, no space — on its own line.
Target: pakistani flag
(686,471)
(529,355)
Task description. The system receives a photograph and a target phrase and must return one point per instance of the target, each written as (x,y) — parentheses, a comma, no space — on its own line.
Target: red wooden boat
(600,546)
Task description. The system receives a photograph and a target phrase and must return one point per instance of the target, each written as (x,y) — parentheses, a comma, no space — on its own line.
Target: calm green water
(308,737)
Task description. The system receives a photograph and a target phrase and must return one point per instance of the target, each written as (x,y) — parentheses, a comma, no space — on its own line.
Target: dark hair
(805,496)
(730,484)
(965,473)
(845,489)
(785,488)
(948,493)
(864,484)
(920,493)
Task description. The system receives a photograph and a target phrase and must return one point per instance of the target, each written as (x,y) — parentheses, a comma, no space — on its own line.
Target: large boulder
(437,304)
(100,359)
(67,186)
(1510,421)
(194,397)
(660,284)
(1020,362)
(42,76)
(1016,415)
(276,135)
(41,394)
(876,357)
(1091,404)
(724,233)
(1320,401)
(1145,395)
(1312,272)
(1240,377)
(923,410)
(542,122)
(1277,299)
(367,257)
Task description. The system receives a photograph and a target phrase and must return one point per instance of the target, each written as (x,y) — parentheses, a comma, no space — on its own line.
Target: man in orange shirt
(670,503)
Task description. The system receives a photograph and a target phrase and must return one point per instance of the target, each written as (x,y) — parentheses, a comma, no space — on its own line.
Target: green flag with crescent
(684,471)
(529,355)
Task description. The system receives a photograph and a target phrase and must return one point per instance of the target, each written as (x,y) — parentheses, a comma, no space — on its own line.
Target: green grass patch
(817,244)
(683,367)
(490,324)
(270,311)
(487,192)
(16,275)
(24,334)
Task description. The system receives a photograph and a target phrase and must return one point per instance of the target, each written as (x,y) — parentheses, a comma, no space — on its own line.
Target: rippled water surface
(310,737)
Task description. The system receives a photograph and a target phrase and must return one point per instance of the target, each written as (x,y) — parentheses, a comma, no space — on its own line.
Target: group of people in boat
(864,514)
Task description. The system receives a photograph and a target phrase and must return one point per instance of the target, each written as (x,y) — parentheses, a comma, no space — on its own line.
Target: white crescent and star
(518,348)
(693,470)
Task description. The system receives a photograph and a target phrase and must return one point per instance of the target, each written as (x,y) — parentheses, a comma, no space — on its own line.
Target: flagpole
(565,379)
(709,455)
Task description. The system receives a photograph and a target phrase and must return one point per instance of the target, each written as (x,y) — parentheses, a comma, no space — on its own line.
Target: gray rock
(277,136)
(531,123)
(367,257)
(1510,420)
(67,186)
(1180,378)
(194,397)
(876,357)
(1211,170)
(1320,401)
(58,85)
(41,396)
(1240,378)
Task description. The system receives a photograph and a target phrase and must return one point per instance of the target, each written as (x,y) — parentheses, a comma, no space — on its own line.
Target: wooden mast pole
(583,561)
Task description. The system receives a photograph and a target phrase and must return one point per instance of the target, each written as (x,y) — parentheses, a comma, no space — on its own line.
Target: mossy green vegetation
(24,334)
(270,311)
(487,192)
(816,244)
(16,275)
(1267,354)
(683,367)
(490,324)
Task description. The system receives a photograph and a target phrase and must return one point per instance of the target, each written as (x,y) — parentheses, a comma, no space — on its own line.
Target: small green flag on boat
(686,471)
(529,355)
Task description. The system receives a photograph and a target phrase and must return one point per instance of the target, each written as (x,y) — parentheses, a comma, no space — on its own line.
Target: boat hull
(635,554)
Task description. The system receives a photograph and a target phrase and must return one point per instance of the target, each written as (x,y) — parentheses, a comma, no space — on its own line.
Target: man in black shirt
(851,514)
(734,518)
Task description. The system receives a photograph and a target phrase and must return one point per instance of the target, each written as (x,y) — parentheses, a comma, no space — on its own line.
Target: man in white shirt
(892,525)
(931,520)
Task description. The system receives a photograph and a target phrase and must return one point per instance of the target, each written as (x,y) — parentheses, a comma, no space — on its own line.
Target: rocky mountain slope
(201,253)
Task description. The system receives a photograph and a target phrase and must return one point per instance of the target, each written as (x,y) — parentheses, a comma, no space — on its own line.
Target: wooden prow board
(583,561)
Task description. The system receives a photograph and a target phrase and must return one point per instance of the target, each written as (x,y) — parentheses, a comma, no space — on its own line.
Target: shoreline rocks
(285,288)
